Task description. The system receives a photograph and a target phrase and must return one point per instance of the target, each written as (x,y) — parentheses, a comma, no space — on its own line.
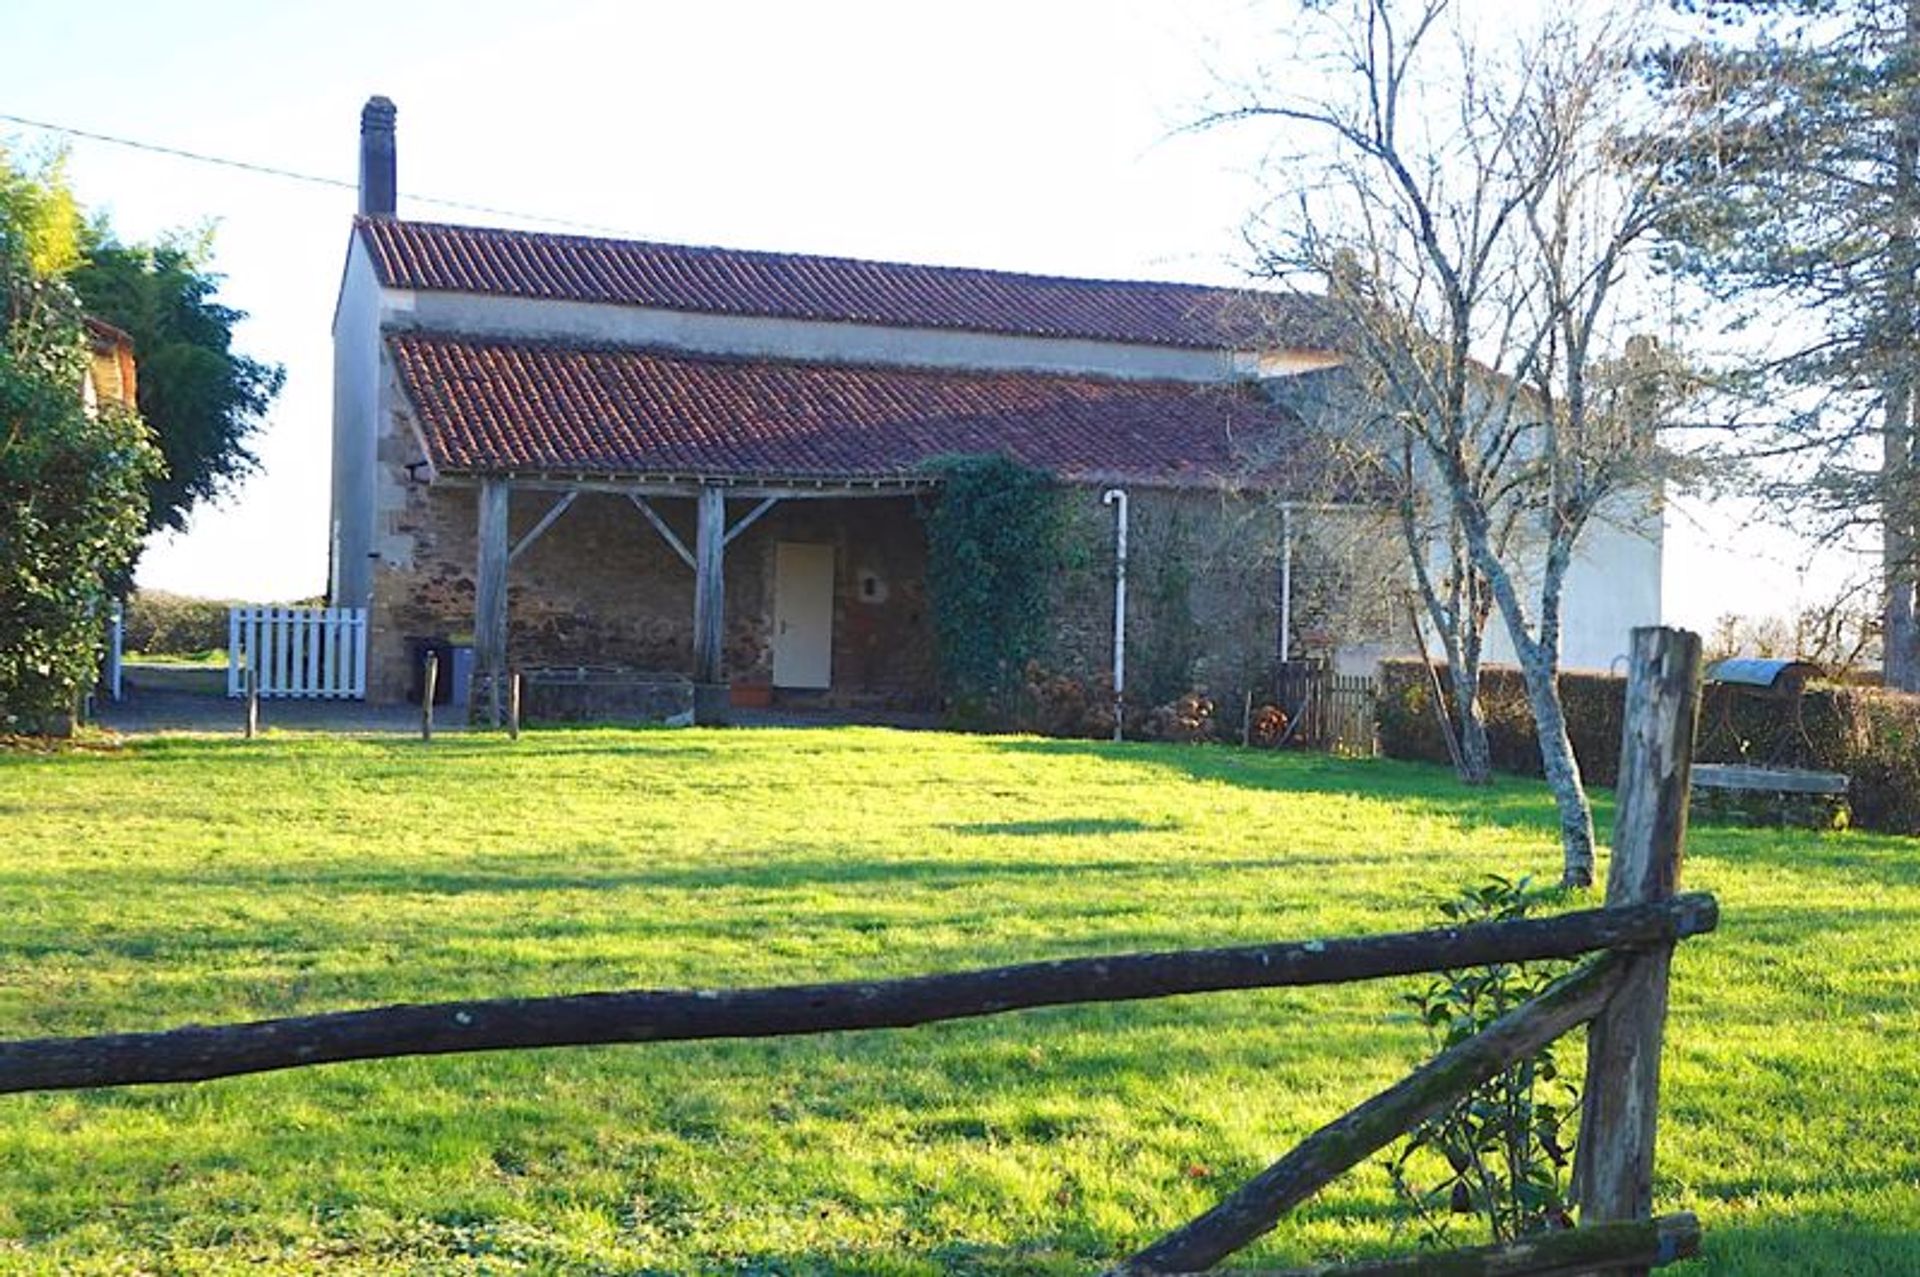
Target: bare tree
(1476,213)
(1361,449)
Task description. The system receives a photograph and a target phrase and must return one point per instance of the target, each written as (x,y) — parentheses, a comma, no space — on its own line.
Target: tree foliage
(994,536)
(203,399)
(72,481)
(1801,157)
(1502,1152)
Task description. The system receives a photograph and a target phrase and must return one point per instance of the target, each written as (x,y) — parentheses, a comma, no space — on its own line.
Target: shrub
(72,479)
(1595,708)
(1870,734)
(175,624)
(1061,705)
(1501,1151)
(1189,720)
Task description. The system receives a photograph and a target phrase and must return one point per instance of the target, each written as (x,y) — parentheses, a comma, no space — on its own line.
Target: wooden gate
(317,653)
(1621,992)
(1330,711)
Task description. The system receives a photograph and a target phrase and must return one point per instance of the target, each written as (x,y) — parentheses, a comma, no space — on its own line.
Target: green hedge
(174,624)
(1871,735)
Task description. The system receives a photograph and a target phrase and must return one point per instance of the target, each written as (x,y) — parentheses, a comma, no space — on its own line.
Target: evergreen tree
(1803,164)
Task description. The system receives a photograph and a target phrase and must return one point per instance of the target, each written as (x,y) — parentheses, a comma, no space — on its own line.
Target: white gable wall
(1612,586)
(356,417)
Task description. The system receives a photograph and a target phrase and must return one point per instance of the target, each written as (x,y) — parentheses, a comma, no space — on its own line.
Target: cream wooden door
(802,615)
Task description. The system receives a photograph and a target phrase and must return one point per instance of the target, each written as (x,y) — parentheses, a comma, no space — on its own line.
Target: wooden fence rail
(199,1053)
(1622,992)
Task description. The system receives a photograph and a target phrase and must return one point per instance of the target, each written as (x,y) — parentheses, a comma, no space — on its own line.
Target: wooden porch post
(709,595)
(490,592)
(1613,1175)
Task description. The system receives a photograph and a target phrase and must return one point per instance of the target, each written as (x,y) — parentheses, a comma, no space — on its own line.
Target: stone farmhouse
(584,452)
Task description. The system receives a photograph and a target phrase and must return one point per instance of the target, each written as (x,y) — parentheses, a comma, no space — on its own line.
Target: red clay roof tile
(492,405)
(439,258)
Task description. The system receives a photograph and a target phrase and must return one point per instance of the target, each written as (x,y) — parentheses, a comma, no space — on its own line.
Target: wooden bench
(1749,795)
(1773,780)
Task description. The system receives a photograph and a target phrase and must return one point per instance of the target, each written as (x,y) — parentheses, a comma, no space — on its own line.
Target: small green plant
(1502,1153)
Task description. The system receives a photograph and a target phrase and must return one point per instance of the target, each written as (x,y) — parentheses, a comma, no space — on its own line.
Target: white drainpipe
(1118,497)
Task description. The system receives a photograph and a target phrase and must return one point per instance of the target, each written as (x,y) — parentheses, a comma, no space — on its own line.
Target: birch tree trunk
(1540,667)
(1476,755)
(1562,769)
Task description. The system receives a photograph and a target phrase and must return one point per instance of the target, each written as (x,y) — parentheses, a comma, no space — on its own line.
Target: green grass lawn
(216,656)
(207,880)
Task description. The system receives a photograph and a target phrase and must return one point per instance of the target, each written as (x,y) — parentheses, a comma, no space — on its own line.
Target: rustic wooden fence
(1333,711)
(1621,991)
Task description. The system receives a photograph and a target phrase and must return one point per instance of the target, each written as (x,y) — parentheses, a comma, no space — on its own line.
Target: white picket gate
(310,652)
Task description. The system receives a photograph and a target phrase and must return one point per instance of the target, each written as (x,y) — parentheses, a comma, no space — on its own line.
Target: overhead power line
(311,179)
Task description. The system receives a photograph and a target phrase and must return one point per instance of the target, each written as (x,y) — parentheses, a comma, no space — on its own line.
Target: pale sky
(1032,135)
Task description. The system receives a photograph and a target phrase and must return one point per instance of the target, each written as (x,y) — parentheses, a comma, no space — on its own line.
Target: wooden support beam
(673,486)
(1338,1147)
(748,519)
(1613,1166)
(490,591)
(709,585)
(1654,1243)
(197,1053)
(547,520)
(667,534)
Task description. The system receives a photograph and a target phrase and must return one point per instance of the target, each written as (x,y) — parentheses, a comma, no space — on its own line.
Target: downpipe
(1117,497)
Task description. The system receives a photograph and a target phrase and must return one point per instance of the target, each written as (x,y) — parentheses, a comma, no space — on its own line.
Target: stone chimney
(378,195)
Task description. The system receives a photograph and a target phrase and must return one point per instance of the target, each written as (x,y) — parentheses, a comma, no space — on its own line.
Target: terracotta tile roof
(494,405)
(439,258)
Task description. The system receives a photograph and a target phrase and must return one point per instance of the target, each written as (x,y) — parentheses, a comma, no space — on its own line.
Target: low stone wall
(605,695)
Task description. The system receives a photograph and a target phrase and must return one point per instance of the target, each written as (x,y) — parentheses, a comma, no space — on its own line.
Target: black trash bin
(417,651)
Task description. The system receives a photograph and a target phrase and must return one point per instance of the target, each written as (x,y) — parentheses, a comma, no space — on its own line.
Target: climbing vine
(995,533)
(1168,641)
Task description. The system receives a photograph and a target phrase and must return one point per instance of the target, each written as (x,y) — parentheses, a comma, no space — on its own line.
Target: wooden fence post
(253,697)
(1613,1175)
(429,684)
(513,705)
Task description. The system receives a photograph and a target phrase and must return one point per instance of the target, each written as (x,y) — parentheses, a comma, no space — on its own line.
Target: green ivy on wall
(994,542)
(1169,641)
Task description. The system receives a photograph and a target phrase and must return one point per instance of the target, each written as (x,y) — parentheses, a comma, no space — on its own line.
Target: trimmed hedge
(1870,734)
(174,624)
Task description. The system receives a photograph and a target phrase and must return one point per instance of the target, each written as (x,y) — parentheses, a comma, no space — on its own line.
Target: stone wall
(1203,592)
(602,588)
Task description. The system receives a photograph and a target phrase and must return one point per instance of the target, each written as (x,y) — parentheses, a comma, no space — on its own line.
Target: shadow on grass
(1812,1245)
(777,869)
(1422,788)
(1887,859)
(1066,827)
